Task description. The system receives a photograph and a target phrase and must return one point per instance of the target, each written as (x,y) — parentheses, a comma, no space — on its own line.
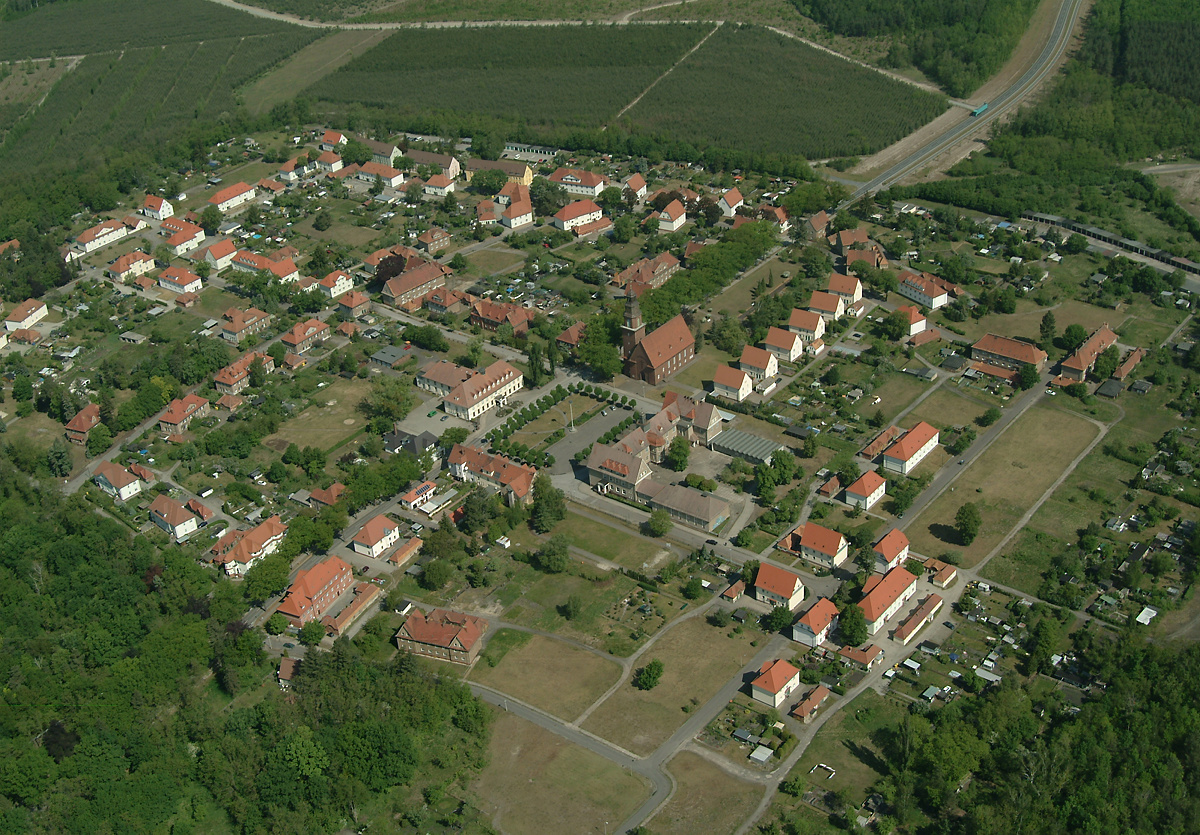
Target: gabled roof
(882,592)
(353,299)
(912,442)
(826,302)
(892,543)
(21,312)
(172,512)
(867,483)
(303,331)
(636,182)
(914,316)
(672,211)
(439,181)
(516,477)
(1096,344)
(309,583)
(756,357)
(805,320)
(780,338)
(777,580)
(126,262)
(328,495)
(732,198)
(577,209)
(572,334)
(773,676)
(117,476)
(226,194)
(822,613)
(730,377)
(573,176)
(844,285)
(85,419)
(1012,349)
(222,249)
(178,276)
(821,539)
(666,341)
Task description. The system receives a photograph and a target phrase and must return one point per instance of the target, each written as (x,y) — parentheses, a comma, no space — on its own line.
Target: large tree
(967,522)
(549,505)
(677,454)
(852,624)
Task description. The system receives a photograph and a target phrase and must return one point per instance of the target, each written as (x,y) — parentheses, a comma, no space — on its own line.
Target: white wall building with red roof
(775,683)
(814,626)
(867,491)
(905,454)
(233,197)
(778,586)
(377,536)
(157,207)
(25,315)
(575,214)
(884,595)
(891,550)
(823,546)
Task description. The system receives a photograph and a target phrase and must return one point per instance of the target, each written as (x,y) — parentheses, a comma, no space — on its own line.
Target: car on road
(962,461)
(432,412)
(710,542)
(289,646)
(948,624)
(445,418)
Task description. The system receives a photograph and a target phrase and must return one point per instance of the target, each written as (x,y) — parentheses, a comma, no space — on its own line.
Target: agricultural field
(698,659)
(426,10)
(95,26)
(751,88)
(557,677)
(706,800)
(499,72)
(533,774)
(140,95)
(1003,482)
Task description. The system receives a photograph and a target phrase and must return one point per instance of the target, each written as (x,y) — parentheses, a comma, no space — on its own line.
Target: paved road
(1000,105)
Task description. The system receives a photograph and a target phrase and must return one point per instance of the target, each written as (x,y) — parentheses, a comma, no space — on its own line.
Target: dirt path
(669,70)
(1024,56)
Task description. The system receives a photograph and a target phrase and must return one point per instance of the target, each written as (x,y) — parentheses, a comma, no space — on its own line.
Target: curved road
(1060,37)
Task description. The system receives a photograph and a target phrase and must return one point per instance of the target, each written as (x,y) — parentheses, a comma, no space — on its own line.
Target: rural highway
(999,105)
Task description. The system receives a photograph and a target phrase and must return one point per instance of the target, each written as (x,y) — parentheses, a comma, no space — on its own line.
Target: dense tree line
(958,43)
(105,722)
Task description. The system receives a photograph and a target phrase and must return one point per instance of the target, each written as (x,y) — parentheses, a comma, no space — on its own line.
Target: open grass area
(1146,333)
(1025,561)
(537,782)
(748,87)
(613,542)
(557,677)
(331,421)
(1092,493)
(1003,482)
(1026,322)
(698,659)
(557,417)
(846,743)
(706,799)
(700,370)
(895,395)
(495,260)
(736,298)
(597,71)
(946,407)
(310,64)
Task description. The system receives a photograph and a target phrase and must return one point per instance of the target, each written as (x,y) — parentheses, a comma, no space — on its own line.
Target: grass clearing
(895,395)
(310,64)
(549,674)
(612,542)
(492,260)
(707,799)
(1025,562)
(701,369)
(534,776)
(1027,323)
(945,408)
(845,742)
(737,298)
(1003,482)
(326,424)
(697,661)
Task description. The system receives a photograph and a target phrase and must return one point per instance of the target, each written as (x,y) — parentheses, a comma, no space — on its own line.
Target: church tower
(634,330)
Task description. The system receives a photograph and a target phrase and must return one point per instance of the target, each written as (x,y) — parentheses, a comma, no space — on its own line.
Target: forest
(1065,154)
(123,659)
(748,87)
(957,43)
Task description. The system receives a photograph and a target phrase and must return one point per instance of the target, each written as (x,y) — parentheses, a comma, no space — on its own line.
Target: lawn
(1026,323)
(846,743)
(945,408)
(39,431)
(495,260)
(327,424)
(311,63)
(556,417)
(549,674)
(534,776)
(1003,482)
(613,542)
(1090,494)
(706,799)
(700,370)
(698,659)
(736,298)
(895,395)
(213,302)
(1144,332)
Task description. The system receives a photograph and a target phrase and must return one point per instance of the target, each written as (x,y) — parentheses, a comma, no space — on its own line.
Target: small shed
(761,755)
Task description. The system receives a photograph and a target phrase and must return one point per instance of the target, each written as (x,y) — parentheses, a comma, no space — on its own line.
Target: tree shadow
(946,533)
(867,757)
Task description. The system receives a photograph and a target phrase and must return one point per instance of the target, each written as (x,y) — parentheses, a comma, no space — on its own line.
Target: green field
(310,63)
(542,76)
(119,99)
(752,89)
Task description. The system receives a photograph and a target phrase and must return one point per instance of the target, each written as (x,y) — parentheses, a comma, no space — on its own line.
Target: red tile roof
(230,192)
(85,419)
(882,592)
(329,495)
(443,628)
(574,175)
(820,615)
(758,358)
(1012,349)
(867,483)
(777,580)
(912,442)
(115,475)
(22,311)
(773,676)
(892,543)
(375,530)
(667,341)
(173,512)
(1096,344)
(805,320)
(577,209)
(843,285)
(821,539)
(730,377)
